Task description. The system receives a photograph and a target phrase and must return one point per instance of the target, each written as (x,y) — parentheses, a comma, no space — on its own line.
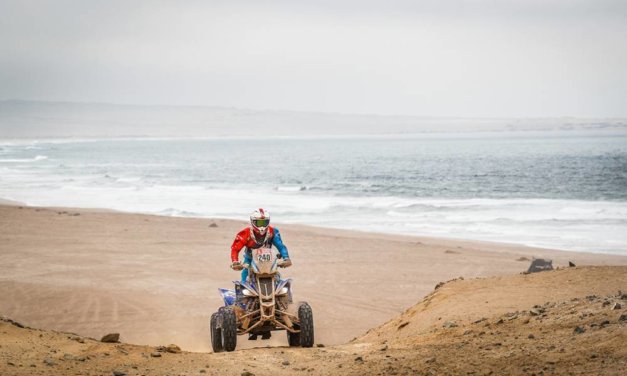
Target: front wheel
(305,316)
(229,329)
(293,339)
(216,334)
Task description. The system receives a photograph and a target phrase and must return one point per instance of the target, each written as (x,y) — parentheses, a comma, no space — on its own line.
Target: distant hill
(35,119)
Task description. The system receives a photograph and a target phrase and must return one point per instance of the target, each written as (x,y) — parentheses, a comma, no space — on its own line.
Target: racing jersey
(246,239)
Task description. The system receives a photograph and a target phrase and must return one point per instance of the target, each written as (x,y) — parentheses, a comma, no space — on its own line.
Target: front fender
(228,296)
(247,286)
(286,283)
(283,282)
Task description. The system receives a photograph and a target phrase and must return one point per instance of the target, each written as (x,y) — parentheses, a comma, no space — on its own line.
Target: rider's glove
(286,263)
(236,265)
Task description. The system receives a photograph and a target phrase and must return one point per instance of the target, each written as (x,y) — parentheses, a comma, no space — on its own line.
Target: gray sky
(528,58)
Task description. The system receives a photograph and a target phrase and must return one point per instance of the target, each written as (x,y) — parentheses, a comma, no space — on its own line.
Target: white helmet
(260,220)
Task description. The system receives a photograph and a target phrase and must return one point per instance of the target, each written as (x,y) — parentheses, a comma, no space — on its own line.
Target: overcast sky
(525,58)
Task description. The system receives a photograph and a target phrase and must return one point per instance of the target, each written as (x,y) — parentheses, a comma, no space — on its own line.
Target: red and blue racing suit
(246,239)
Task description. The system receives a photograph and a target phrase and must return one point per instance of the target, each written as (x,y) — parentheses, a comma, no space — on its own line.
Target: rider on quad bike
(262,301)
(259,234)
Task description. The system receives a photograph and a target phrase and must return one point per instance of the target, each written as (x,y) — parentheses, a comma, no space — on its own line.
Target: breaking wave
(24,160)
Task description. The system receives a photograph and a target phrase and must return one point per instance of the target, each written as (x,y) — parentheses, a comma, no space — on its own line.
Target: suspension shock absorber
(250,304)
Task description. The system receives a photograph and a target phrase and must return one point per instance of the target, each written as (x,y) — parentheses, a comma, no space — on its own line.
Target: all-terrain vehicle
(261,305)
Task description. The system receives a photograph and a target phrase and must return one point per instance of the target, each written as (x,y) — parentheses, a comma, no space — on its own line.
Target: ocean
(557,190)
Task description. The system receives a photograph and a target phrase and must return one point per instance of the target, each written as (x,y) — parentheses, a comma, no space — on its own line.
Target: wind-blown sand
(154,279)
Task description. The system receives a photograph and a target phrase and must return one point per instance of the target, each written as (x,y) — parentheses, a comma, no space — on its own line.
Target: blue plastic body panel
(230,297)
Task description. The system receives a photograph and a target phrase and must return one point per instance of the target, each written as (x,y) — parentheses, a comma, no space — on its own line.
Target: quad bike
(261,305)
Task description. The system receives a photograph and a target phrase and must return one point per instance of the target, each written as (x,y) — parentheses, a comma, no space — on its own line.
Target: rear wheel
(216,334)
(229,329)
(305,316)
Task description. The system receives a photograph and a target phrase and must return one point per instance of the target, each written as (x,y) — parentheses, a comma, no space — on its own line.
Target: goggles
(260,222)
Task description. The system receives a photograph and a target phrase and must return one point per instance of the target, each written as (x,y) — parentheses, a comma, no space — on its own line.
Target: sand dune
(577,330)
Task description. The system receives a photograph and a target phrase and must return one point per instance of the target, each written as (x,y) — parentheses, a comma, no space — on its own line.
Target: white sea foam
(24,160)
(563,224)
(172,179)
(291,188)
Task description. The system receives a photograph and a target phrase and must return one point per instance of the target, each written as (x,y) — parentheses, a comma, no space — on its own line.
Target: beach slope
(154,279)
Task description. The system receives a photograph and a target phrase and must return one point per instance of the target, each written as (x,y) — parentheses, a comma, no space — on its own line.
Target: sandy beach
(154,279)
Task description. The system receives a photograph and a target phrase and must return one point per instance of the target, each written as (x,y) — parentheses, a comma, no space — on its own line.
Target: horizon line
(183,106)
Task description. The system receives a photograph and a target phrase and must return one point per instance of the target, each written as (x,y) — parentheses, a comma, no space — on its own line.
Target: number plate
(263,254)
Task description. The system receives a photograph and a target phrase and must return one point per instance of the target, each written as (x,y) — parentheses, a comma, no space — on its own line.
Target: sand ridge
(574,334)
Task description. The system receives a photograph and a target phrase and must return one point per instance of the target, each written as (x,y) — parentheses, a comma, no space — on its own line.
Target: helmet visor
(261,222)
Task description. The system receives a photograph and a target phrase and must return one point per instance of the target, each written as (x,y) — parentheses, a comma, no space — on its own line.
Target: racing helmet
(260,220)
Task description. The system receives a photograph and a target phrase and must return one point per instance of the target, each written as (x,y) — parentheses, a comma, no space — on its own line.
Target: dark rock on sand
(111,338)
(540,265)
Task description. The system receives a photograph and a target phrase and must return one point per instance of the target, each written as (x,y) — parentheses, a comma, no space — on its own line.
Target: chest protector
(254,243)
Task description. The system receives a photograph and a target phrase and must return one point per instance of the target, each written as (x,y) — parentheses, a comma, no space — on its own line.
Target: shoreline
(479,242)
(154,279)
